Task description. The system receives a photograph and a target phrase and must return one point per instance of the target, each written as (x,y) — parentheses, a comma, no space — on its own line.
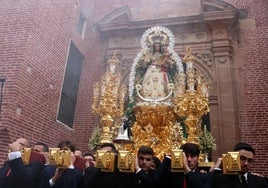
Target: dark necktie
(244,182)
(184,182)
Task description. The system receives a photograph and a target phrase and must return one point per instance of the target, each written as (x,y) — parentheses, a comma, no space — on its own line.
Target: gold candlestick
(108,99)
(192,104)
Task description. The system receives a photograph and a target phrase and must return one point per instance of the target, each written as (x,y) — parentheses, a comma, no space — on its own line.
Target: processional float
(164,103)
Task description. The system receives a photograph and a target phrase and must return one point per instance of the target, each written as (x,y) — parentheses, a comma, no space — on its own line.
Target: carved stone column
(227,130)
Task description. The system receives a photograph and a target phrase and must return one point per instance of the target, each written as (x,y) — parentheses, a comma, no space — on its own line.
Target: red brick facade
(253,120)
(35,37)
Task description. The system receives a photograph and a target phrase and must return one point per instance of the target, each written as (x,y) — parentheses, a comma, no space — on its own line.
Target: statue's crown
(158,37)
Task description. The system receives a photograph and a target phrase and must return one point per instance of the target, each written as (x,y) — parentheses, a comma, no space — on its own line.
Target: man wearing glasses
(192,177)
(244,179)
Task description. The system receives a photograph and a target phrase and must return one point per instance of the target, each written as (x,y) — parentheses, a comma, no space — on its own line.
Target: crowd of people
(150,172)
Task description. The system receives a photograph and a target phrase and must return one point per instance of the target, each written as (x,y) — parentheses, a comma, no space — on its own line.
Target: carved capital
(222,47)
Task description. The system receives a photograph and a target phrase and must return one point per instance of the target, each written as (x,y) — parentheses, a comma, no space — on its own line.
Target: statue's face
(165,48)
(112,68)
(157,47)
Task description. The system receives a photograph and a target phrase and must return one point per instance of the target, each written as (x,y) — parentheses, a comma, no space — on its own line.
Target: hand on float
(137,168)
(256,174)
(185,163)
(90,163)
(15,147)
(58,173)
(218,165)
(93,163)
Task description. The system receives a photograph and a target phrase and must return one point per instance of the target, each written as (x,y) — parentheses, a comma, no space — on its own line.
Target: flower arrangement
(95,138)
(206,141)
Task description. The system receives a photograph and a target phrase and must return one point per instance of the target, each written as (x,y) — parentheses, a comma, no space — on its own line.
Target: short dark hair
(77,149)
(109,145)
(145,150)
(45,147)
(190,148)
(245,146)
(68,144)
(89,154)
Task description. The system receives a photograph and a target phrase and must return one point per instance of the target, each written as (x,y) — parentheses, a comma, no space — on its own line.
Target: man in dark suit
(144,173)
(70,177)
(192,177)
(94,177)
(243,179)
(15,173)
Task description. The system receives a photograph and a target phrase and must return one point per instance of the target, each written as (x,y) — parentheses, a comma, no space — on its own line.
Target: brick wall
(253,78)
(14,28)
(34,43)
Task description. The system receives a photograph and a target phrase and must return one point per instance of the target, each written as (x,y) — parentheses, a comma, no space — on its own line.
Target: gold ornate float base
(154,128)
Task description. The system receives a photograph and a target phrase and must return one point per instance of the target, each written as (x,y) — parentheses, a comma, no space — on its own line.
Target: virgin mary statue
(154,73)
(156,77)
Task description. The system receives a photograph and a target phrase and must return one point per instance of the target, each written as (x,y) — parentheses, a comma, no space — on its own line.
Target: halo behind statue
(154,34)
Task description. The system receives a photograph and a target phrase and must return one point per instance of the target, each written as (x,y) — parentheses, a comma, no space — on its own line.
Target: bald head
(24,142)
